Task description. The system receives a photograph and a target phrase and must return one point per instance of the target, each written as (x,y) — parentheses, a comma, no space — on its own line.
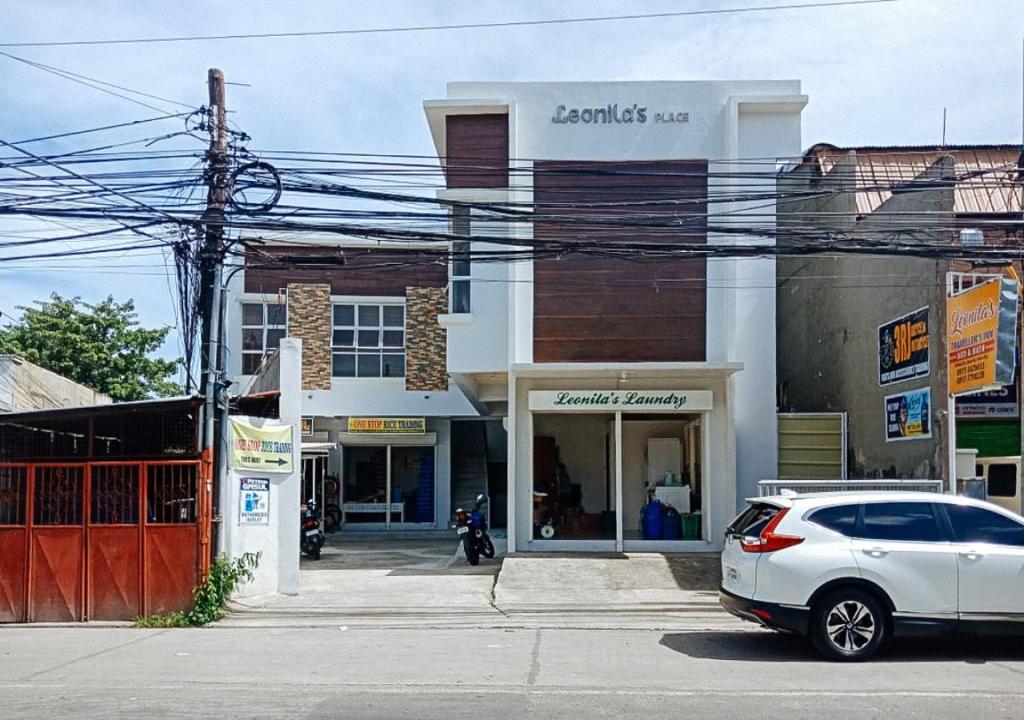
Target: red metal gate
(101,540)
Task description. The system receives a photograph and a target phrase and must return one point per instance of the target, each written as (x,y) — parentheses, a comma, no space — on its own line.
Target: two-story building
(593,363)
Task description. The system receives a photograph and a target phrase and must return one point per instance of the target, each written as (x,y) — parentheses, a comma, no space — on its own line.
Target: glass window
(974,524)
(252,313)
(461,263)
(394,316)
(841,518)
(910,521)
(345,315)
(1002,480)
(263,326)
(369,316)
(368,340)
(751,521)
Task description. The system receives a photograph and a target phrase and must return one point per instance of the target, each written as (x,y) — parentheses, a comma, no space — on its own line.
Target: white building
(569,386)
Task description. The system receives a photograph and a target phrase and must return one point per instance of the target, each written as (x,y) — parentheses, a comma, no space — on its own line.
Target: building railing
(775,487)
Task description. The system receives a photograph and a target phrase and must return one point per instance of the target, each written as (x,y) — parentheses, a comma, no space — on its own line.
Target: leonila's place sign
(613,114)
(621,400)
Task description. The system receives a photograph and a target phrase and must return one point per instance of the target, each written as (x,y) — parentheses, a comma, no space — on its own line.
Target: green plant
(210,597)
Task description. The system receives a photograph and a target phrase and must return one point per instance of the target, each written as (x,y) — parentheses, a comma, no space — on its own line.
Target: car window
(974,524)
(751,521)
(841,518)
(1002,480)
(911,521)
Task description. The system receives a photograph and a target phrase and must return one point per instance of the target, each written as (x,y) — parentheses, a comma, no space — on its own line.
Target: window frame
(265,327)
(378,351)
(461,284)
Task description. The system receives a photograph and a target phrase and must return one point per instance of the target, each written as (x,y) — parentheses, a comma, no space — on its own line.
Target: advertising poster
(903,348)
(908,415)
(981,335)
(254,501)
(268,448)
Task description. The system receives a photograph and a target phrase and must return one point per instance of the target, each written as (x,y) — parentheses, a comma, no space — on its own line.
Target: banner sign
(387,425)
(254,501)
(908,415)
(1000,403)
(981,332)
(268,448)
(624,400)
(903,348)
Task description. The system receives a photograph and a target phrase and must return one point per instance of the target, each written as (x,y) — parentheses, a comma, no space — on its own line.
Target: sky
(875,74)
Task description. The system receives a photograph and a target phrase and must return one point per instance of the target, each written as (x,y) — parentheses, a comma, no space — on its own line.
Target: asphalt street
(378,671)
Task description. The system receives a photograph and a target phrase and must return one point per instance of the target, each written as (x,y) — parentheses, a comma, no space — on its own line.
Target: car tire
(848,625)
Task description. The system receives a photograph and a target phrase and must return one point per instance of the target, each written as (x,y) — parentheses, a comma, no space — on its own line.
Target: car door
(990,560)
(904,548)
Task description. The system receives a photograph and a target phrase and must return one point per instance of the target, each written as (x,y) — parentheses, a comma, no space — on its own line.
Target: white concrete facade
(735,126)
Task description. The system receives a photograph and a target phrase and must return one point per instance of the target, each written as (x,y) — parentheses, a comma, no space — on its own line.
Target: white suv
(850,569)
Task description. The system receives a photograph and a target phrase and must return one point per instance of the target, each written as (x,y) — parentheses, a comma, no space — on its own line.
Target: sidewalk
(425,582)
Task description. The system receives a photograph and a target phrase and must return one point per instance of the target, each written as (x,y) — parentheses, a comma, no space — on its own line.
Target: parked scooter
(311,537)
(472,528)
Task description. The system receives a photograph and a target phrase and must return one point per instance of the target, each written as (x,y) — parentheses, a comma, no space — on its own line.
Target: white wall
(277,541)
(727,120)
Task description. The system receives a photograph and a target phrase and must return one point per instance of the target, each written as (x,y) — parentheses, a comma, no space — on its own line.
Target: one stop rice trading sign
(268,448)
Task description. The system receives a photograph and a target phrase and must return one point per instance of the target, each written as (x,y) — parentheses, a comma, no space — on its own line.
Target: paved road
(485,673)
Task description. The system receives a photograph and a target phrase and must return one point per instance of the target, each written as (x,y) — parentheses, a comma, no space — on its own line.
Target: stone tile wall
(426,342)
(309,318)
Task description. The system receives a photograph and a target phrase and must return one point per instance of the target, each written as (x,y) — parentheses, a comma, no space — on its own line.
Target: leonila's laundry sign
(387,425)
(268,448)
(624,400)
(981,333)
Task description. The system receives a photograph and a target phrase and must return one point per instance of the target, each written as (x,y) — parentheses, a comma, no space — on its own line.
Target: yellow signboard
(268,448)
(978,344)
(387,425)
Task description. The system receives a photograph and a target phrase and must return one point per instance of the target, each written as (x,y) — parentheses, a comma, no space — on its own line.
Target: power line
(460,26)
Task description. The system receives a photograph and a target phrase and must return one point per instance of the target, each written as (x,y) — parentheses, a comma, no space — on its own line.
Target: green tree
(100,346)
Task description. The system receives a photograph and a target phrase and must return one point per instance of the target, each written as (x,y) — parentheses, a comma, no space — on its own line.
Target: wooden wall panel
(477,147)
(365,272)
(620,309)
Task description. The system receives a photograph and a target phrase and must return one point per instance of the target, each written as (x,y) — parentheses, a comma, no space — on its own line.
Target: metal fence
(775,487)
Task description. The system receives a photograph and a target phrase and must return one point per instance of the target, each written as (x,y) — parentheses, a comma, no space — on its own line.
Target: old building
(841,317)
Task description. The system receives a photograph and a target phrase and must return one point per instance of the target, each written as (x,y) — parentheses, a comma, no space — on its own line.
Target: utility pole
(211,260)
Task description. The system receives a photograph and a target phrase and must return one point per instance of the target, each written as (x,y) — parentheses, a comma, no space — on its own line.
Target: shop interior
(661,477)
(372,495)
(574,469)
(573,476)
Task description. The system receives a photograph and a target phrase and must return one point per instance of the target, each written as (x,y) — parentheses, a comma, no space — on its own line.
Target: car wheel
(848,625)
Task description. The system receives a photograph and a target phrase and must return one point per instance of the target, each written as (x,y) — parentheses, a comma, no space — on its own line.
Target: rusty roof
(988,176)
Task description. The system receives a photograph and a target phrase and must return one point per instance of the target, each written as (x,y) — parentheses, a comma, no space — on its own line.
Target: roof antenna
(943,128)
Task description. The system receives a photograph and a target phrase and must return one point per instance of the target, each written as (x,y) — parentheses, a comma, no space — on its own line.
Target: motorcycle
(311,537)
(471,527)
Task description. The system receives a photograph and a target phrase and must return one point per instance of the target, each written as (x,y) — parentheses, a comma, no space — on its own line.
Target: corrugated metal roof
(987,174)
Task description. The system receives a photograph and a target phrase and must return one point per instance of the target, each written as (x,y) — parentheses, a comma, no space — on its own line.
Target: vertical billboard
(981,336)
